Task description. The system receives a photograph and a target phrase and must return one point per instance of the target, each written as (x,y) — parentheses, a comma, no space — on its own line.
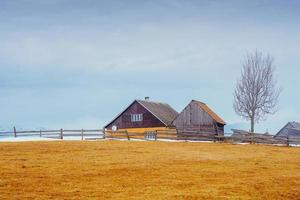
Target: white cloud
(160,46)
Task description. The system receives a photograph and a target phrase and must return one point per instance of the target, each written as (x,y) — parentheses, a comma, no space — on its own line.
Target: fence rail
(58,134)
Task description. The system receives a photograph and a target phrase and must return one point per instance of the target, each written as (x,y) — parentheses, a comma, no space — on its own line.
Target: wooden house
(291,129)
(143,116)
(197,117)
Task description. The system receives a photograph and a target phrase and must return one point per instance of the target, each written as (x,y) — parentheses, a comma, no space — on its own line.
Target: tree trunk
(252,130)
(252,125)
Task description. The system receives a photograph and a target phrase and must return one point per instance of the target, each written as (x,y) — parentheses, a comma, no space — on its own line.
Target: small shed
(291,129)
(198,117)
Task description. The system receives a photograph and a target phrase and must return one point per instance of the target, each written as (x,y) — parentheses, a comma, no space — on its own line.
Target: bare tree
(256,94)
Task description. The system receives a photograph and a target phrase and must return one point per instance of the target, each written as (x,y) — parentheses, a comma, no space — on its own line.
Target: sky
(78,63)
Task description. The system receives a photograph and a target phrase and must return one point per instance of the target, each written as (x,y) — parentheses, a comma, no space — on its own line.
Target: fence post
(81,134)
(103,131)
(155,135)
(215,138)
(287,141)
(15,132)
(127,135)
(61,134)
(40,133)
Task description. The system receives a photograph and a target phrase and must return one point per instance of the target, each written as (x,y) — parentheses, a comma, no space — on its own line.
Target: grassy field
(147,170)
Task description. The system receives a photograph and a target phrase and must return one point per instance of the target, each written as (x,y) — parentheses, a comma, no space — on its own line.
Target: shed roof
(209,111)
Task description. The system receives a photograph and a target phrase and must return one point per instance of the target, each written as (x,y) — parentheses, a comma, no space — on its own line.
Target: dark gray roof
(291,128)
(162,111)
(296,125)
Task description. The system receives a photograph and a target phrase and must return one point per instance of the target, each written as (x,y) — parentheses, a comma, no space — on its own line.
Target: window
(150,135)
(137,117)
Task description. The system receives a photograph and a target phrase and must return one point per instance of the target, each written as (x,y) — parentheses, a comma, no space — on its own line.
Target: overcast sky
(76,64)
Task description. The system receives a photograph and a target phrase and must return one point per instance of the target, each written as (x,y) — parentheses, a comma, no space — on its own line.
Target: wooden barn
(143,116)
(198,118)
(291,129)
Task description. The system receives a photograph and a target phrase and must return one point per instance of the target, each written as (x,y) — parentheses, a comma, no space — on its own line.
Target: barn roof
(296,125)
(294,130)
(209,111)
(164,112)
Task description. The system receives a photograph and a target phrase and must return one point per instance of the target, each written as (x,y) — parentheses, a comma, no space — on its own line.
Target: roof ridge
(152,101)
(198,101)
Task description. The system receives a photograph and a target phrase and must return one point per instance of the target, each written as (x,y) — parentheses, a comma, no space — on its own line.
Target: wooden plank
(28,134)
(82,130)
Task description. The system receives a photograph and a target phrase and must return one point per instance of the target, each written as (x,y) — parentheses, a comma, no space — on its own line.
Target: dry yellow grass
(147,170)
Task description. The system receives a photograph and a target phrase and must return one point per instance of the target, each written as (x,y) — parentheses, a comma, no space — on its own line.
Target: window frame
(136,117)
(150,135)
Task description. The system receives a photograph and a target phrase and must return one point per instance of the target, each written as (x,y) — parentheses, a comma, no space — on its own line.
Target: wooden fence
(172,134)
(56,134)
(264,139)
(199,136)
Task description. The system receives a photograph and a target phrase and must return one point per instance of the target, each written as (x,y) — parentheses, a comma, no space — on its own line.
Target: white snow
(24,139)
(295,145)
(37,138)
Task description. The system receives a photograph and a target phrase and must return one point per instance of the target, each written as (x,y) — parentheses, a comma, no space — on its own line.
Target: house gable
(124,120)
(192,115)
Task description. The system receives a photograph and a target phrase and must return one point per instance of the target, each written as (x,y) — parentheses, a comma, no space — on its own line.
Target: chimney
(147,98)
